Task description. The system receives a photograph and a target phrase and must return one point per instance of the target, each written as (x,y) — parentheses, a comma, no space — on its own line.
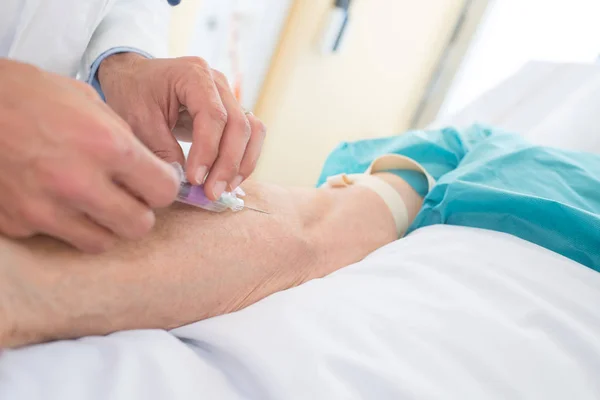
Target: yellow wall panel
(183,18)
(371,87)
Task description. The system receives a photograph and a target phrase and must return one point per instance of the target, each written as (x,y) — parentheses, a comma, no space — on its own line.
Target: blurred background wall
(370,87)
(513,32)
(399,64)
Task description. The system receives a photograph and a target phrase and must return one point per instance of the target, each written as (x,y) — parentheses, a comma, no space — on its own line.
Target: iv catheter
(194,195)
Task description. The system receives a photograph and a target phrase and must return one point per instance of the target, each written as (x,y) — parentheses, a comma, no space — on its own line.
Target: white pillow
(552,104)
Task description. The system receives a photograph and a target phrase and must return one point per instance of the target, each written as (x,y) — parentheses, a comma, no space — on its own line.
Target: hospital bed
(446,313)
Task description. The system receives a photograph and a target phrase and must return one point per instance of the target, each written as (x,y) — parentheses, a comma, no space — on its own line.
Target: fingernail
(201,174)
(219,188)
(235,183)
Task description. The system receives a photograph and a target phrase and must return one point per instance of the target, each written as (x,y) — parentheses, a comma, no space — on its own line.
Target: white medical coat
(67,36)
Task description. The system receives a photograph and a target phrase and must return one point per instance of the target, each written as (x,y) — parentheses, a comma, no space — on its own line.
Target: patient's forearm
(193,266)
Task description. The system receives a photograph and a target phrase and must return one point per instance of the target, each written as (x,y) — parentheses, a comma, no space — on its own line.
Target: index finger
(146,176)
(131,164)
(199,94)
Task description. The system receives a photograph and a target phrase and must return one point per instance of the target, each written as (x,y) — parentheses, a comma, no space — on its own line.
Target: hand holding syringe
(195,196)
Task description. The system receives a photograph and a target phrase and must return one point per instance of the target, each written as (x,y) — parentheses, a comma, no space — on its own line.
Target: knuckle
(114,148)
(218,75)
(33,216)
(68,187)
(218,114)
(122,150)
(197,73)
(199,61)
(262,129)
(194,69)
(240,126)
(258,127)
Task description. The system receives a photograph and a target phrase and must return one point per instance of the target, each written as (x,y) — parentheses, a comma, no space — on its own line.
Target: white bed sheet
(448,312)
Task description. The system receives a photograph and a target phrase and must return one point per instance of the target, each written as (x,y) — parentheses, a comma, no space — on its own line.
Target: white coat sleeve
(140,26)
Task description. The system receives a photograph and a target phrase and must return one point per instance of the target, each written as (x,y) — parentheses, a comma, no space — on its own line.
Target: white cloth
(67,36)
(551,104)
(445,313)
(14,10)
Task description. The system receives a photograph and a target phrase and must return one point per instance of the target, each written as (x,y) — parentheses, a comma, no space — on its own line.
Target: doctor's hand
(70,167)
(159,97)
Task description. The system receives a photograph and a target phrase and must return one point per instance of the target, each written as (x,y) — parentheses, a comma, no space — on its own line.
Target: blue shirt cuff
(93,77)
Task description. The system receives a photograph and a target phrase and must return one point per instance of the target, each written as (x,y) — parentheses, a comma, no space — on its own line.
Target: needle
(257,210)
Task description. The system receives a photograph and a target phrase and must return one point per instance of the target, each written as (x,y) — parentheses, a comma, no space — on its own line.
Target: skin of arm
(195,265)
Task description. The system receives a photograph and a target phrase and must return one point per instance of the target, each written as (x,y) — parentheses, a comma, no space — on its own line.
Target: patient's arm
(193,266)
